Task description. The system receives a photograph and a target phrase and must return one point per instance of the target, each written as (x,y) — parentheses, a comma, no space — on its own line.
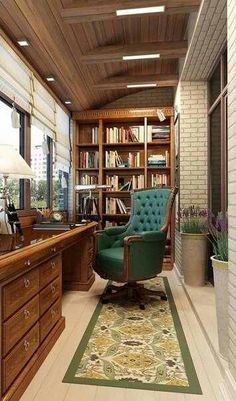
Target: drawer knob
(26,345)
(26,313)
(54,249)
(53,289)
(26,282)
(27,262)
(53,264)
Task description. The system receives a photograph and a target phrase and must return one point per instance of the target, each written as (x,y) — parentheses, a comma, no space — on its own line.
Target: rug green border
(194,385)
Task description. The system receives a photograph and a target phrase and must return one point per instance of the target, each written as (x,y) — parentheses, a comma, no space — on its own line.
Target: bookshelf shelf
(109,139)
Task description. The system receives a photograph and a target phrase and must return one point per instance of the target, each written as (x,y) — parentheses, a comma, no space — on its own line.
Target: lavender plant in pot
(218,230)
(194,245)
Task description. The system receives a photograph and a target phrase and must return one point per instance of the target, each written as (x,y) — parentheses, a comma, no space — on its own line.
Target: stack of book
(125,135)
(159,179)
(159,160)
(95,135)
(88,159)
(112,159)
(158,133)
(114,205)
(134,159)
(87,179)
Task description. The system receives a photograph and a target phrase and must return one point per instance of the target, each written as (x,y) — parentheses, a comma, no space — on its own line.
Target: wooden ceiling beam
(112,54)
(105,9)
(121,81)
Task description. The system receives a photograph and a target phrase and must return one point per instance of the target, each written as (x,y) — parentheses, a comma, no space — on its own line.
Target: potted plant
(218,229)
(194,245)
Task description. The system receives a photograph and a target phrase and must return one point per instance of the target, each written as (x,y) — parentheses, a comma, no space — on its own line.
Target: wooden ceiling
(81,43)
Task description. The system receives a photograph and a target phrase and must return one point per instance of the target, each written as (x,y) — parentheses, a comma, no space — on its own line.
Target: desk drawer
(49,295)
(19,291)
(19,356)
(49,270)
(15,327)
(49,319)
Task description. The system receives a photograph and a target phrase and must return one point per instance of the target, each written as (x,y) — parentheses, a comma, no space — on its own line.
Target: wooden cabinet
(31,301)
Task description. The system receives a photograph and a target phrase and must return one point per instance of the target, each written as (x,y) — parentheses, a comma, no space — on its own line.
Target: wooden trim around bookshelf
(109,114)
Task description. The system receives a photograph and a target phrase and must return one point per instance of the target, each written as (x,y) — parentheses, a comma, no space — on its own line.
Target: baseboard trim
(228,387)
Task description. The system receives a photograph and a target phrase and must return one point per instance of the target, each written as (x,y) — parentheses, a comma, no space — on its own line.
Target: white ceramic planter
(194,258)
(220,269)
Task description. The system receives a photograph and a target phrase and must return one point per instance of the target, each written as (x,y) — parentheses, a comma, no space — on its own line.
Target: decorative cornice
(120,113)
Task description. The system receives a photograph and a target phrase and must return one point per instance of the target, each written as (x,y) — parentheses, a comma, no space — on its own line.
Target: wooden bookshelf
(134,139)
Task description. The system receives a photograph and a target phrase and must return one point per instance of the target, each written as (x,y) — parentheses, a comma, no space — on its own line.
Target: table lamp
(12,165)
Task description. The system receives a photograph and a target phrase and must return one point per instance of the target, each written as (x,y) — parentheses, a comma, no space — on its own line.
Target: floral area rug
(124,346)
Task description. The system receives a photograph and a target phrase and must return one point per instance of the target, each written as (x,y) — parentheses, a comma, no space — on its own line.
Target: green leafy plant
(218,229)
(193,220)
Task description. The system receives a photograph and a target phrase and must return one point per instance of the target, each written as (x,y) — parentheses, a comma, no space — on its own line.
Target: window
(218,137)
(40,161)
(60,185)
(14,137)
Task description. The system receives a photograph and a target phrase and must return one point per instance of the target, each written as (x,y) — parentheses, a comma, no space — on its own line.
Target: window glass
(215,87)
(215,159)
(39,164)
(60,186)
(11,136)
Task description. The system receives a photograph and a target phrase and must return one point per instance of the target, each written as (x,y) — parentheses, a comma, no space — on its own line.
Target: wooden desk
(31,280)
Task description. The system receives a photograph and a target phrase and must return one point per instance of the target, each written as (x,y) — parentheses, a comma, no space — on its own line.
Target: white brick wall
(191,103)
(232,180)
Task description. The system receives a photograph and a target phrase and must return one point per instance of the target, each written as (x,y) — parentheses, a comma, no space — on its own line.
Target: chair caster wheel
(104,301)
(164,298)
(142,307)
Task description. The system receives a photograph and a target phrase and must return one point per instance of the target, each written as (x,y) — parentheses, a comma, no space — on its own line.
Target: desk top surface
(37,239)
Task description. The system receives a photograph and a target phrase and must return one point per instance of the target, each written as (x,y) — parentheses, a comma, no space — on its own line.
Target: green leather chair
(135,252)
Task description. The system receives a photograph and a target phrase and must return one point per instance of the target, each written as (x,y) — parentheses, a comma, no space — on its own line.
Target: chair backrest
(150,211)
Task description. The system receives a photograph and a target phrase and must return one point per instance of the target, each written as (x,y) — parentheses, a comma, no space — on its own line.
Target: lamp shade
(12,163)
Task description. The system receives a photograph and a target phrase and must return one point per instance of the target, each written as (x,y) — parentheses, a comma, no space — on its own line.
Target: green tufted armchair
(134,252)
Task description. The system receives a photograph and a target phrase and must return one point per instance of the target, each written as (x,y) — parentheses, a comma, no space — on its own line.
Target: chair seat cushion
(109,263)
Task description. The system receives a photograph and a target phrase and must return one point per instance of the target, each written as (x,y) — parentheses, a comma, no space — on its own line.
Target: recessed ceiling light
(23,43)
(141,85)
(50,79)
(143,10)
(141,57)
(67,102)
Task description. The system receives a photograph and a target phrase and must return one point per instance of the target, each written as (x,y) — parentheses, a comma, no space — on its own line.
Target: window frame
(222,101)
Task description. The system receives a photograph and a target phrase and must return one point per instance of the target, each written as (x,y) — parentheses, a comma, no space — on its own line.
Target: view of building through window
(10,136)
(39,185)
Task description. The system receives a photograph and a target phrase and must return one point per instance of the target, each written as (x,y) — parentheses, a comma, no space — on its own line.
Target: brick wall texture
(193,143)
(232,181)
(158,97)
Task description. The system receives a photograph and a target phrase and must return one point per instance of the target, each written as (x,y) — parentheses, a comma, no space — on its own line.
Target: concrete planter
(194,258)
(220,269)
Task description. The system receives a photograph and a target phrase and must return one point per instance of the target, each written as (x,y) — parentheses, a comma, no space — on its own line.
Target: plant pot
(194,258)
(220,270)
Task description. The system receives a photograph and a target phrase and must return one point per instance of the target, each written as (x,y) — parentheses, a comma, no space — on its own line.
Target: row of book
(159,179)
(161,160)
(116,206)
(113,159)
(88,159)
(118,183)
(87,179)
(125,135)
(157,133)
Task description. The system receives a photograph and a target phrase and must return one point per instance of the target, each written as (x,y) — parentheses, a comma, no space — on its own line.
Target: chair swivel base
(134,291)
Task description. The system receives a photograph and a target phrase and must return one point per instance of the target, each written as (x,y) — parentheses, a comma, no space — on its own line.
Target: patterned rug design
(124,346)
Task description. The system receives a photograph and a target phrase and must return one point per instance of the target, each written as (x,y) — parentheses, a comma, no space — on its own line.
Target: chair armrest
(115,230)
(102,241)
(151,236)
(147,236)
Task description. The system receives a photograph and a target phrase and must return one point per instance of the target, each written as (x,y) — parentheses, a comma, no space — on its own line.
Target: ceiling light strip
(142,10)
(141,57)
(141,85)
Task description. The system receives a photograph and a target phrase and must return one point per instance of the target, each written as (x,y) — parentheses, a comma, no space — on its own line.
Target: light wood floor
(78,308)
